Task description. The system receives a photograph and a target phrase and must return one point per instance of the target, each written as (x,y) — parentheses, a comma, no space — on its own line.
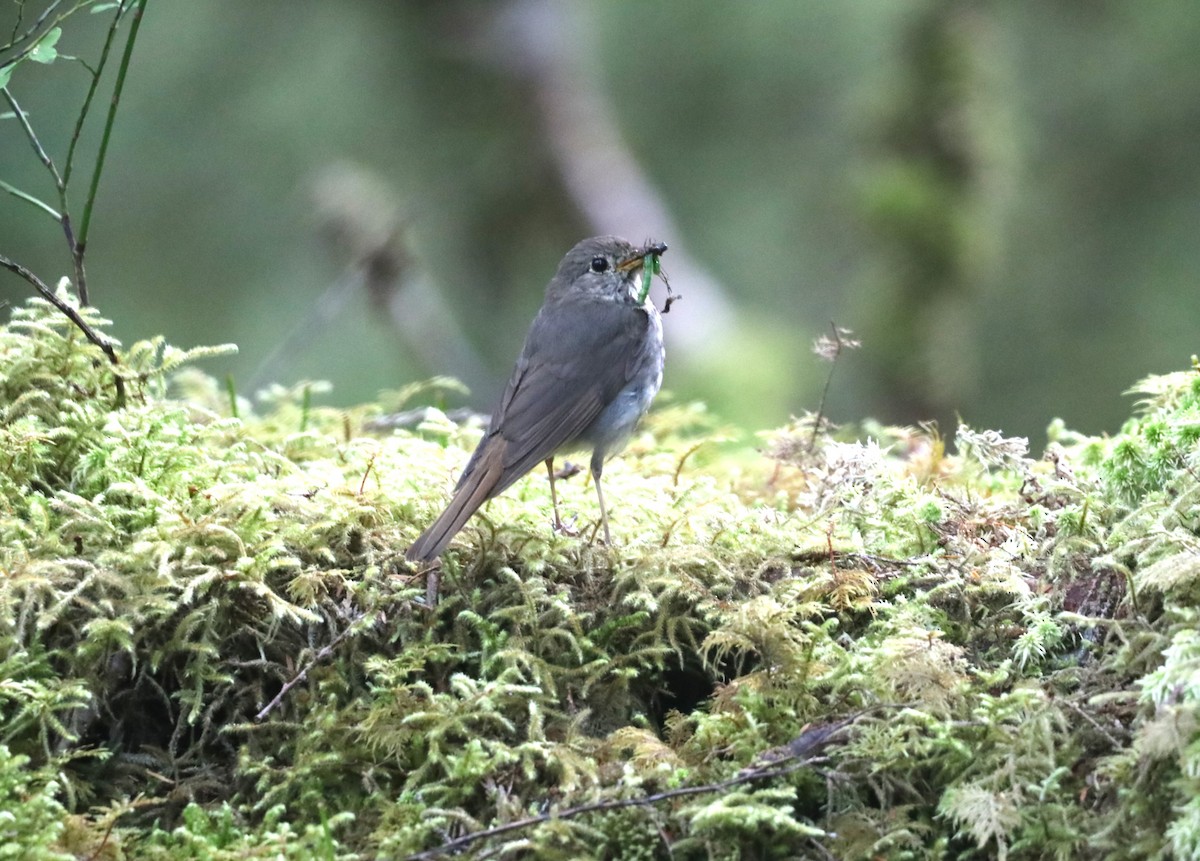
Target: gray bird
(591,365)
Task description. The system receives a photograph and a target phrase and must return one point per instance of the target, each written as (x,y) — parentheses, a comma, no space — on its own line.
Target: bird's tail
(474,489)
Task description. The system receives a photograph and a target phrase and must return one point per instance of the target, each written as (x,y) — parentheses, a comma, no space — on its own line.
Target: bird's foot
(569,529)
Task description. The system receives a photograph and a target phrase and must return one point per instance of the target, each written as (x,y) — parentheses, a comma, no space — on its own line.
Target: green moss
(211,647)
(31,818)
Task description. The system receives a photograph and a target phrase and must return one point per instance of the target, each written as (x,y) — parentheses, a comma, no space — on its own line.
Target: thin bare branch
(29,198)
(33,139)
(14,40)
(105,345)
(76,247)
(321,655)
(800,753)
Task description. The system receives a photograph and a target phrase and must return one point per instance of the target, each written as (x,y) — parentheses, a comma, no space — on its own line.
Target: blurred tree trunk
(921,202)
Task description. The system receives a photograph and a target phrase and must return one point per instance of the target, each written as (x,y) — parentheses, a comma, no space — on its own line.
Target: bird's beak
(636,261)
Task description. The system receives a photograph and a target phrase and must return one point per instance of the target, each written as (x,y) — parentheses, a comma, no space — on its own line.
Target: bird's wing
(575,361)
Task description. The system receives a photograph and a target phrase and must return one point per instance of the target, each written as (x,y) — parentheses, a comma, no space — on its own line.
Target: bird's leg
(597,468)
(558,524)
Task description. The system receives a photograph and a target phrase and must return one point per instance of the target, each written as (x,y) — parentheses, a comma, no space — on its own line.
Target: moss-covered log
(211,647)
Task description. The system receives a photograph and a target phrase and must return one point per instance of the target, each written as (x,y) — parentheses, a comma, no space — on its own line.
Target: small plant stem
(69,166)
(33,138)
(305,408)
(104,841)
(14,39)
(86,221)
(76,257)
(837,339)
(77,248)
(77,243)
(362,485)
(29,198)
(231,390)
(64,218)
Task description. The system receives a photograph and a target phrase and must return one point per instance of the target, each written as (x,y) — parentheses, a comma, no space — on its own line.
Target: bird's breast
(612,428)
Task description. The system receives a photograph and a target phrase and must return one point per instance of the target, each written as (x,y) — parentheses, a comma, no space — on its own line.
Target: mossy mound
(211,647)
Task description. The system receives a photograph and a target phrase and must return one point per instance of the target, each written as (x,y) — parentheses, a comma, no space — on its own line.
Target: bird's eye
(599,264)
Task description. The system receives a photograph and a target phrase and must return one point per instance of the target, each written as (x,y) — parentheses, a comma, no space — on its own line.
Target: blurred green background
(1002,199)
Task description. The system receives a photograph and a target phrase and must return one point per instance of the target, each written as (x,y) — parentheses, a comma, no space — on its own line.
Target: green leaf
(103,7)
(44,51)
(6,73)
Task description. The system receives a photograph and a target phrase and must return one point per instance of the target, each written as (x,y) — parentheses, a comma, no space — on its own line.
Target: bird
(591,364)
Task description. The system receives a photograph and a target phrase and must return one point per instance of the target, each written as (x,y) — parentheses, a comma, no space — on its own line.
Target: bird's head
(604,266)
